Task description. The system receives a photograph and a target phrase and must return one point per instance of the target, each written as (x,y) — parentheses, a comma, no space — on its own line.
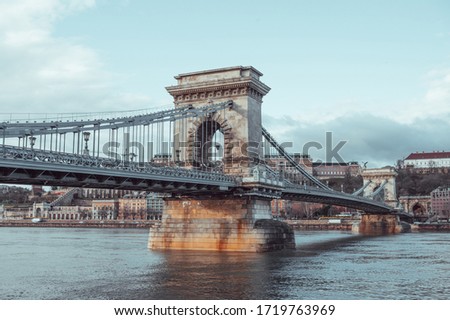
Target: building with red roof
(427,160)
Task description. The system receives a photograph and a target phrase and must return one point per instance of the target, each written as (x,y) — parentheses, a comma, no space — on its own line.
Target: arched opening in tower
(209,146)
(418,209)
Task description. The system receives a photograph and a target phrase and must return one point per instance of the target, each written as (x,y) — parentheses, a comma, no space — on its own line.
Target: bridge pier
(380,224)
(231,224)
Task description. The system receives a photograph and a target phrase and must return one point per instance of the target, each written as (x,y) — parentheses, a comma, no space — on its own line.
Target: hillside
(416,184)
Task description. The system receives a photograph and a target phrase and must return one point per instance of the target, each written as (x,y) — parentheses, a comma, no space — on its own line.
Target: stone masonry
(233,224)
(380,224)
(378,177)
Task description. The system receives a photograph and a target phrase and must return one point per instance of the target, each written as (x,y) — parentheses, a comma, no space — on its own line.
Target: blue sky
(376,74)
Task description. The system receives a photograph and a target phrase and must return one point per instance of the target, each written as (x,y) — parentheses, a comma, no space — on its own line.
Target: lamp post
(217,154)
(178,155)
(32,142)
(86,139)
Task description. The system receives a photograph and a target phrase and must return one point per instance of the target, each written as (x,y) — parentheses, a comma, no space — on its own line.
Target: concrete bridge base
(380,224)
(232,224)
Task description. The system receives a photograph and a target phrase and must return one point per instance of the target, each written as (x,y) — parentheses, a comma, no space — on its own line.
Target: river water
(47,263)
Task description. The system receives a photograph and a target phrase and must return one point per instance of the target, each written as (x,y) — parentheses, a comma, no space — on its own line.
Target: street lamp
(32,142)
(217,154)
(86,139)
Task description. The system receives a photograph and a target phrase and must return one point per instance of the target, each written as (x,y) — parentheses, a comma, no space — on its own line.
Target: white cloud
(435,102)
(42,73)
(444,34)
(27,22)
(439,91)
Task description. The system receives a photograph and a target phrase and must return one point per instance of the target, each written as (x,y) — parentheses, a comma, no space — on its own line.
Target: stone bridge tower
(380,183)
(381,178)
(240,126)
(230,221)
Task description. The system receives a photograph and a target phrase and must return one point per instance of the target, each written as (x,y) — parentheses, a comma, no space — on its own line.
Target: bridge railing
(40,156)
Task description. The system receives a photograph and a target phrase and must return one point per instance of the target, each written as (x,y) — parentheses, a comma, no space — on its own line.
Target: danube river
(47,263)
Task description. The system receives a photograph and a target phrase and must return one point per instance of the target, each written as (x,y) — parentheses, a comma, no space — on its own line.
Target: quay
(298,225)
(320,225)
(346,225)
(443,227)
(78,224)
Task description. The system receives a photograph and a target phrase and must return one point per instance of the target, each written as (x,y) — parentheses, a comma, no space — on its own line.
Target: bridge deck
(25,166)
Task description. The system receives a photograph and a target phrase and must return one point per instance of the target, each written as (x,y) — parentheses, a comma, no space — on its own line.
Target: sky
(376,74)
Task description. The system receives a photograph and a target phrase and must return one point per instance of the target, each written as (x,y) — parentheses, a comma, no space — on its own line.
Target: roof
(428,155)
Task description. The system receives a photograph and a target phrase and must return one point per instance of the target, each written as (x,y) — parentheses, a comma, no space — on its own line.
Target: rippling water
(41,263)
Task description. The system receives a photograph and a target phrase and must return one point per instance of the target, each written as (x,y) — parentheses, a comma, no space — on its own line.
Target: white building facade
(428,160)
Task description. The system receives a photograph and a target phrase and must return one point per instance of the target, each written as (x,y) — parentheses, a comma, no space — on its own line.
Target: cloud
(27,22)
(438,94)
(443,34)
(380,134)
(42,73)
(380,141)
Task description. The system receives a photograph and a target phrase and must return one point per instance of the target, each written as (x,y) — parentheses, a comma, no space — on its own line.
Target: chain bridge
(207,152)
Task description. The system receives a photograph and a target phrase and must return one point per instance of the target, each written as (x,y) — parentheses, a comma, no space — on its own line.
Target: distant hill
(14,195)
(417,184)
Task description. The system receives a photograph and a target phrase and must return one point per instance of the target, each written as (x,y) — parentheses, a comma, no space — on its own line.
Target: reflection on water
(202,275)
(115,264)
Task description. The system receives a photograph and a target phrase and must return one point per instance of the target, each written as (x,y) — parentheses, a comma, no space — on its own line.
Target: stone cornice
(219,85)
(379,175)
(219,89)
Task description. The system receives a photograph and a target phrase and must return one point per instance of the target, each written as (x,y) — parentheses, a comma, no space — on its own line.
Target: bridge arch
(418,209)
(207,142)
